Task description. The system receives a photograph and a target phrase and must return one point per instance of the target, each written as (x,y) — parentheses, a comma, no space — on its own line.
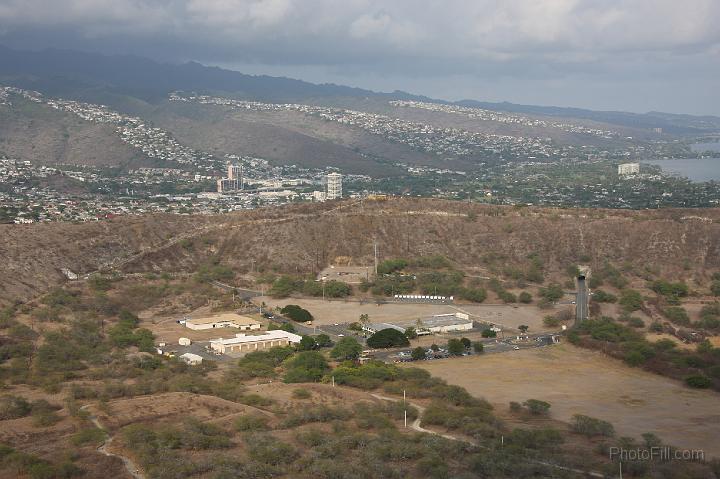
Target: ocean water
(705,147)
(695,169)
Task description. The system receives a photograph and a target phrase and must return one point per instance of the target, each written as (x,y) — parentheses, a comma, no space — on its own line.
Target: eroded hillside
(305,238)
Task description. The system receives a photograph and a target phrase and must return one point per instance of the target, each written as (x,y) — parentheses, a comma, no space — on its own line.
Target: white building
(334,186)
(225,320)
(445,323)
(191,359)
(243,343)
(628,169)
(319,196)
(235,172)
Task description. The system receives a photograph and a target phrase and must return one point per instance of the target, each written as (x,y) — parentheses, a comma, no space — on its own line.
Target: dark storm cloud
(448,48)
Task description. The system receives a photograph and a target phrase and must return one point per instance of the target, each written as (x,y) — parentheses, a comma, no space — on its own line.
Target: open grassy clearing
(578,381)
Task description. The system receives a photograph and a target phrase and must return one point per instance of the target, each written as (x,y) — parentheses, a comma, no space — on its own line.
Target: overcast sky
(634,55)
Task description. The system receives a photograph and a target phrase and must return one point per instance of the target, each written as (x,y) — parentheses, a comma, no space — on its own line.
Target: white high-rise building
(629,169)
(235,172)
(334,186)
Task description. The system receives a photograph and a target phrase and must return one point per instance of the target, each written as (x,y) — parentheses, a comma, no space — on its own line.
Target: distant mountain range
(92,76)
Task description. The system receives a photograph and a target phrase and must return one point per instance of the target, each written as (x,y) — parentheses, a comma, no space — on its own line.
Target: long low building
(224,320)
(439,323)
(443,323)
(243,343)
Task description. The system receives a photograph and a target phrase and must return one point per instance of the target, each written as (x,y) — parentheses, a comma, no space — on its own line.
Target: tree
(307,343)
(590,426)
(323,341)
(478,347)
(296,313)
(418,353)
(410,333)
(337,289)
(364,319)
(489,333)
(551,321)
(455,347)
(523,328)
(435,347)
(552,293)
(387,338)
(537,407)
(525,297)
(346,348)
(466,342)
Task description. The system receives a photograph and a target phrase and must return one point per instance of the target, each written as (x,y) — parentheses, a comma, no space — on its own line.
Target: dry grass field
(578,381)
(339,311)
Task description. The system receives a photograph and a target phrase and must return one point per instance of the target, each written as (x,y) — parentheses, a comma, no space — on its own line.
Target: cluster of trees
(671,291)
(308,343)
(700,369)
(346,349)
(18,463)
(552,293)
(126,333)
(392,280)
(536,407)
(214,272)
(607,274)
(305,367)
(387,338)
(42,412)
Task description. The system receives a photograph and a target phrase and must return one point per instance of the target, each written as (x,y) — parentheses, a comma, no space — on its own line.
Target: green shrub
(698,381)
(630,300)
(589,426)
(677,315)
(537,407)
(89,436)
(301,393)
(251,422)
(601,296)
(525,297)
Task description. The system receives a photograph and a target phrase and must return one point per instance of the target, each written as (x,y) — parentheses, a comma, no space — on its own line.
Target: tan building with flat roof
(243,343)
(224,320)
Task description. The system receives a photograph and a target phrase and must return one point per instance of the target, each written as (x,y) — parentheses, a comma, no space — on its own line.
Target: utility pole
(376,256)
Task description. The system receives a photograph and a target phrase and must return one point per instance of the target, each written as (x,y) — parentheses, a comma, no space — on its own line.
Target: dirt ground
(578,381)
(330,312)
(166,329)
(347,274)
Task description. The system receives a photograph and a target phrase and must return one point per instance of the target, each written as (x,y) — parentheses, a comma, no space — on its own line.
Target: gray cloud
(476,47)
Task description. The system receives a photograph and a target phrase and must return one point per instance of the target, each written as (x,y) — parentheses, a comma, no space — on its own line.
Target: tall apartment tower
(334,186)
(235,172)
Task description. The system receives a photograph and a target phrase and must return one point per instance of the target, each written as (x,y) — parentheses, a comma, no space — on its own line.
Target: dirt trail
(103,448)
(417,427)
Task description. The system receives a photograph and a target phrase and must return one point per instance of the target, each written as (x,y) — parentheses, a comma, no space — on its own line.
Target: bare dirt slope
(305,238)
(44,136)
(578,381)
(287,137)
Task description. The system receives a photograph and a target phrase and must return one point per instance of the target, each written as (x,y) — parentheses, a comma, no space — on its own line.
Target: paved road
(581,308)
(240,292)
(127,462)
